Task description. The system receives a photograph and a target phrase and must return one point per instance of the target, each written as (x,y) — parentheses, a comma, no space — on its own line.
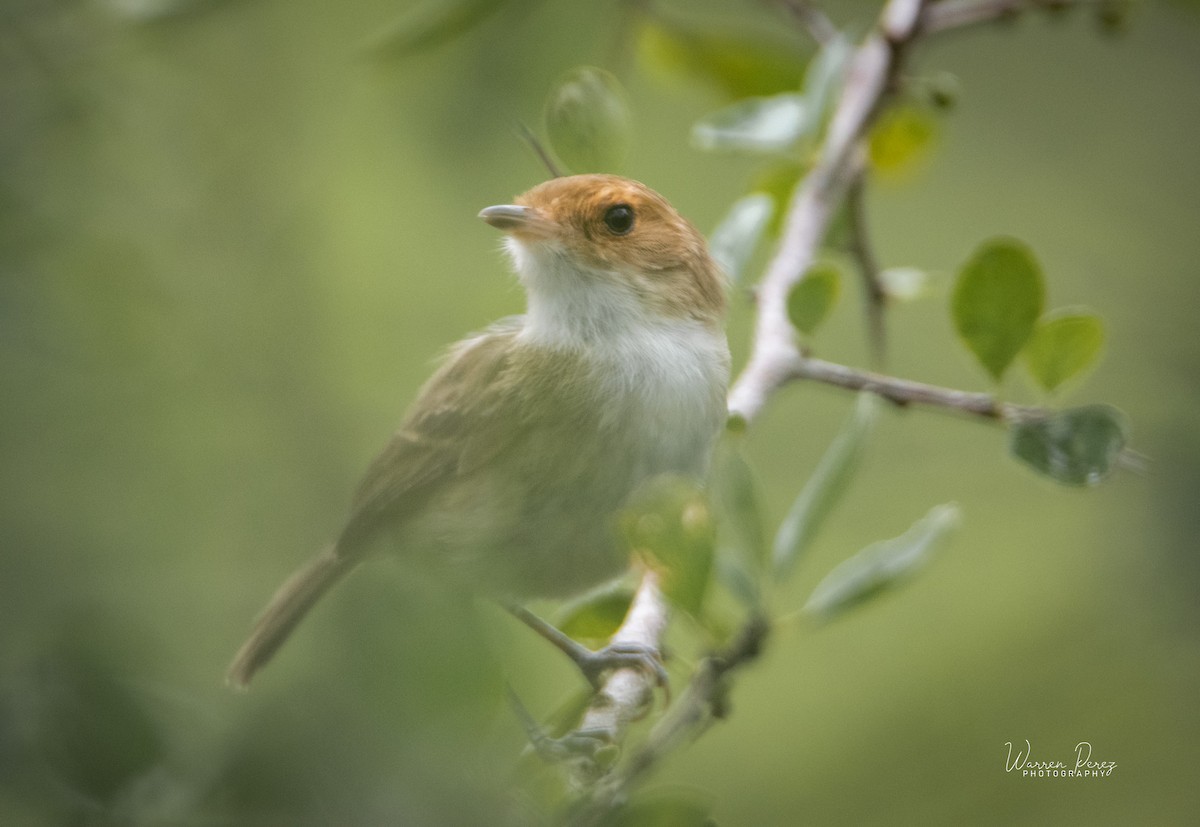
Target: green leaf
(814,296)
(904,284)
(740,535)
(661,810)
(1077,446)
(823,78)
(1063,345)
(738,64)
(901,139)
(670,527)
(736,238)
(767,126)
(148,10)
(587,120)
(778,181)
(777,124)
(431,24)
(997,301)
(825,487)
(881,564)
(597,614)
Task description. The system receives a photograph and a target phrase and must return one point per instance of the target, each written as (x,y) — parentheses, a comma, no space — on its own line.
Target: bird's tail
(289,605)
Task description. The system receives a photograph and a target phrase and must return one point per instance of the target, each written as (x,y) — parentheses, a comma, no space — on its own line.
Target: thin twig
(874,297)
(539,149)
(957,14)
(907,392)
(811,17)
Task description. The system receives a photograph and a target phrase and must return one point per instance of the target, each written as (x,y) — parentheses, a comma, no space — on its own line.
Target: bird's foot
(595,665)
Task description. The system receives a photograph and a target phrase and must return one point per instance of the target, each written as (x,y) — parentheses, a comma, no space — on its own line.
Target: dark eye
(619,219)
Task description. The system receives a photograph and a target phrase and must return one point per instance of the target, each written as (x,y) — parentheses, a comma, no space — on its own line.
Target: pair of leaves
(997,309)
(778,124)
(740,514)
(869,572)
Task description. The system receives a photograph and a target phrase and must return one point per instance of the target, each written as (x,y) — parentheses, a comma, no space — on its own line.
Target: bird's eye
(619,219)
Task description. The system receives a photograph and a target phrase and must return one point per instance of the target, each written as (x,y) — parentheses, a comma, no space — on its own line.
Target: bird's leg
(595,664)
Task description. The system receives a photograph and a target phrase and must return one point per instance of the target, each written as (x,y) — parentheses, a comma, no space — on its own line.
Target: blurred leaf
(881,564)
(736,238)
(431,24)
(779,181)
(823,78)
(1113,16)
(145,10)
(588,121)
(997,301)
(777,124)
(901,139)
(597,614)
(904,284)
(736,501)
(755,125)
(675,810)
(1077,446)
(826,485)
(94,732)
(738,512)
(1063,346)
(814,296)
(670,527)
(739,64)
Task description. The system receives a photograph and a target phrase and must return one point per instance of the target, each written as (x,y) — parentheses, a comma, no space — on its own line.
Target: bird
(509,470)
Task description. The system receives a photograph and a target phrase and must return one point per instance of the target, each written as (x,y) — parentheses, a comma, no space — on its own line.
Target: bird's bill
(513,218)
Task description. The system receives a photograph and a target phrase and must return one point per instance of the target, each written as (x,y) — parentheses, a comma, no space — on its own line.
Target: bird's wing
(466,413)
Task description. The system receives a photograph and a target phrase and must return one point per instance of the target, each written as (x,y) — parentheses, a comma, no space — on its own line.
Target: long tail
(289,605)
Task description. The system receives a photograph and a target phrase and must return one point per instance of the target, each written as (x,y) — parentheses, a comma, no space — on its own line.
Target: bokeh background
(232,243)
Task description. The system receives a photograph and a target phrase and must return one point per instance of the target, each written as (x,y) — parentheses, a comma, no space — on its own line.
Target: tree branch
(906,392)
(868,78)
(775,360)
(702,703)
(956,14)
(627,693)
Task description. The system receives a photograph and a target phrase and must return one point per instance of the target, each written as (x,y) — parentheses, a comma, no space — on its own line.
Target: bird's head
(608,251)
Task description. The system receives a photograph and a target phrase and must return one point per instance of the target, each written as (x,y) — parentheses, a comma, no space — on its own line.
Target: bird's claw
(595,665)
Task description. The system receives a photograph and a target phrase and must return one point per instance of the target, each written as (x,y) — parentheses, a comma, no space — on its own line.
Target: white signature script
(1031,767)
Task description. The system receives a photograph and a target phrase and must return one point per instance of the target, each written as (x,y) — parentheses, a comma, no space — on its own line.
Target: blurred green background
(231,246)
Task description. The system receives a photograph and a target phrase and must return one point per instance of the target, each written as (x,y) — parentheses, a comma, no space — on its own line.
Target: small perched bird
(508,471)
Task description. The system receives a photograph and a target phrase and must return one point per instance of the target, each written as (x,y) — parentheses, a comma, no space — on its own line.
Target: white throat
(572,307)
(661,379)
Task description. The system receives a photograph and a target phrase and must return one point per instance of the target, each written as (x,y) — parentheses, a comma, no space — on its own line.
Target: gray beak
(514,218)
(506,216)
